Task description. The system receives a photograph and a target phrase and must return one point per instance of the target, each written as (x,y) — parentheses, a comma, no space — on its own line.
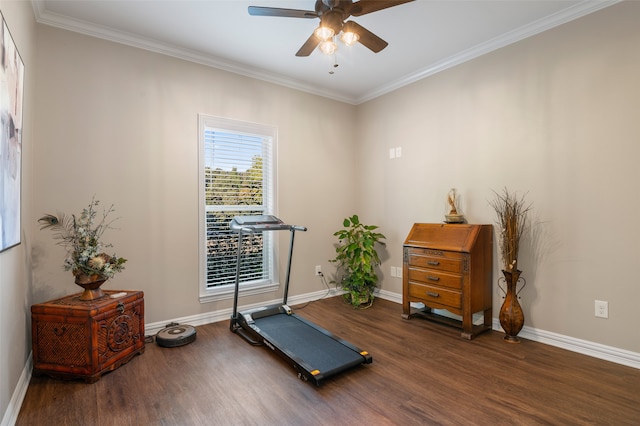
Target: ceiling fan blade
(286,13)
(367,38)
(367,6)
(309,45)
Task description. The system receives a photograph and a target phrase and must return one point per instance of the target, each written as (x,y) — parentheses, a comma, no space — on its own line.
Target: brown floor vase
(511,315)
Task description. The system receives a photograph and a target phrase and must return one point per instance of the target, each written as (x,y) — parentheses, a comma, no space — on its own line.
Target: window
(237,165)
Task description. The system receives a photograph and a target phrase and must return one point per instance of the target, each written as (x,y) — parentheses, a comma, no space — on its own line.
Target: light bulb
(324,33)
(328,47)
(349,38)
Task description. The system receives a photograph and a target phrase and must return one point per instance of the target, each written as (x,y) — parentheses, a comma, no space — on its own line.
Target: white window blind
(237,179)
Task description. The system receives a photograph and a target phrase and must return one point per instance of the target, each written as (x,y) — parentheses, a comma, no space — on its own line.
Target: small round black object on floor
(178,335)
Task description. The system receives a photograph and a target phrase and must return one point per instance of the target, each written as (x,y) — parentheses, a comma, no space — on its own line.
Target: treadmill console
(258,223)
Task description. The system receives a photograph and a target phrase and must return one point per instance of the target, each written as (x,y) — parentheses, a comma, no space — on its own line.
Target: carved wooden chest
(74,339)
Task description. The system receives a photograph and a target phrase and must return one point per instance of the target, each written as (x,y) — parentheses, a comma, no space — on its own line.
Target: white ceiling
(424,36)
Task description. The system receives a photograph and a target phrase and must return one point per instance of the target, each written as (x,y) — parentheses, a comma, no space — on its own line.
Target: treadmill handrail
(268,223)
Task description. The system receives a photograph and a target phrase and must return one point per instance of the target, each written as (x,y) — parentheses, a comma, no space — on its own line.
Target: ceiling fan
(333,16)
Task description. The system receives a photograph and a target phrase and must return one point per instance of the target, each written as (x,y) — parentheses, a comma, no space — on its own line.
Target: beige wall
(121,123)
(557,115)
(15,267)
(554,115)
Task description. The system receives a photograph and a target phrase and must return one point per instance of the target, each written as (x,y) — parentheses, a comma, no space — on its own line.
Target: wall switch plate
(392,153)
(396,271)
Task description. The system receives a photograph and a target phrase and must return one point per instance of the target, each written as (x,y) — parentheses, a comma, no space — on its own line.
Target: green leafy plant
(80,235)
(357,258)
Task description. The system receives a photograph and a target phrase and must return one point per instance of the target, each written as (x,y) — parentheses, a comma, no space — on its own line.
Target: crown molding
(569,14)
(43,16)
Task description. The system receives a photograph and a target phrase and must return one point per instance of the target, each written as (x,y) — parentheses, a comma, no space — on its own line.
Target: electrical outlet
(393,271)
(318,270)
(602,309)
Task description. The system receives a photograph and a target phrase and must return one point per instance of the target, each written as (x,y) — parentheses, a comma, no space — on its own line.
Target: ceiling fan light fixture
(349,38)
(328,47)
(324,33)
(334,15)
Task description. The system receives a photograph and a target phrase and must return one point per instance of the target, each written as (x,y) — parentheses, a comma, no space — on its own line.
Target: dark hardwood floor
(422,373)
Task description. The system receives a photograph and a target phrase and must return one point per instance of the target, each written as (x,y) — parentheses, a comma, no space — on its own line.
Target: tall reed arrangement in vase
(512,222)
(512,211)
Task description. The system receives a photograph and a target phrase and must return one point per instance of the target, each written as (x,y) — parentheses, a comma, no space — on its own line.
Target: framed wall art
(11,96)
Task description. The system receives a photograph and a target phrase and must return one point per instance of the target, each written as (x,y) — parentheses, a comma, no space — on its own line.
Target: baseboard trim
(225,314)
(11,414)
(585,347)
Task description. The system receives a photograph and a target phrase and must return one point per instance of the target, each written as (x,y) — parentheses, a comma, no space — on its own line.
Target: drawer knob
(432,278)
(120,307)
(432,294)
(433,263)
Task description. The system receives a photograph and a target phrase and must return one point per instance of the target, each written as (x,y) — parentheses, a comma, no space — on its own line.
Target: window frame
(222,292)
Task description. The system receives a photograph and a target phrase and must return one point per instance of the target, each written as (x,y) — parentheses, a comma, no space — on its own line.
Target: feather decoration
(49,221)
(59,222)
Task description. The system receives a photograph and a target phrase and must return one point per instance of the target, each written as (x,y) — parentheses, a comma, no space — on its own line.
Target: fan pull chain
(335,63)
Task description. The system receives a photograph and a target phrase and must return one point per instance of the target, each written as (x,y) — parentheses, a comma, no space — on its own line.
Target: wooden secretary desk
(449,266)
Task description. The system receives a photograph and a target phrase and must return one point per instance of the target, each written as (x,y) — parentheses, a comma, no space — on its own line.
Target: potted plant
(357,259)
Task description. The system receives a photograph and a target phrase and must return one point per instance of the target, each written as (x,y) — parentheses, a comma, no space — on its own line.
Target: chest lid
(73,306)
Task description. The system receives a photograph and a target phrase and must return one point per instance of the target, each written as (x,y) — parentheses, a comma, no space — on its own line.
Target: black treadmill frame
(244,323)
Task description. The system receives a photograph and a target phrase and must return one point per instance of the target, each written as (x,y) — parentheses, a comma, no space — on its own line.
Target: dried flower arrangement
(81,237)
(512,222)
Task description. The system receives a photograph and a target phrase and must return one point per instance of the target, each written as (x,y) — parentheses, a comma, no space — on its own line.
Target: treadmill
(312,351)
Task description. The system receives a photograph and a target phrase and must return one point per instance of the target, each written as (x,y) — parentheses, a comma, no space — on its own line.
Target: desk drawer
(436,278)
(450,262)
(437,295)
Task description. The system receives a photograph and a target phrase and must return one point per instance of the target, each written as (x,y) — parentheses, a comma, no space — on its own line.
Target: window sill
(226,292)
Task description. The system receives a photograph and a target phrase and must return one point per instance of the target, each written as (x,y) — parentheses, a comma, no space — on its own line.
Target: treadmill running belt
(306,344)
